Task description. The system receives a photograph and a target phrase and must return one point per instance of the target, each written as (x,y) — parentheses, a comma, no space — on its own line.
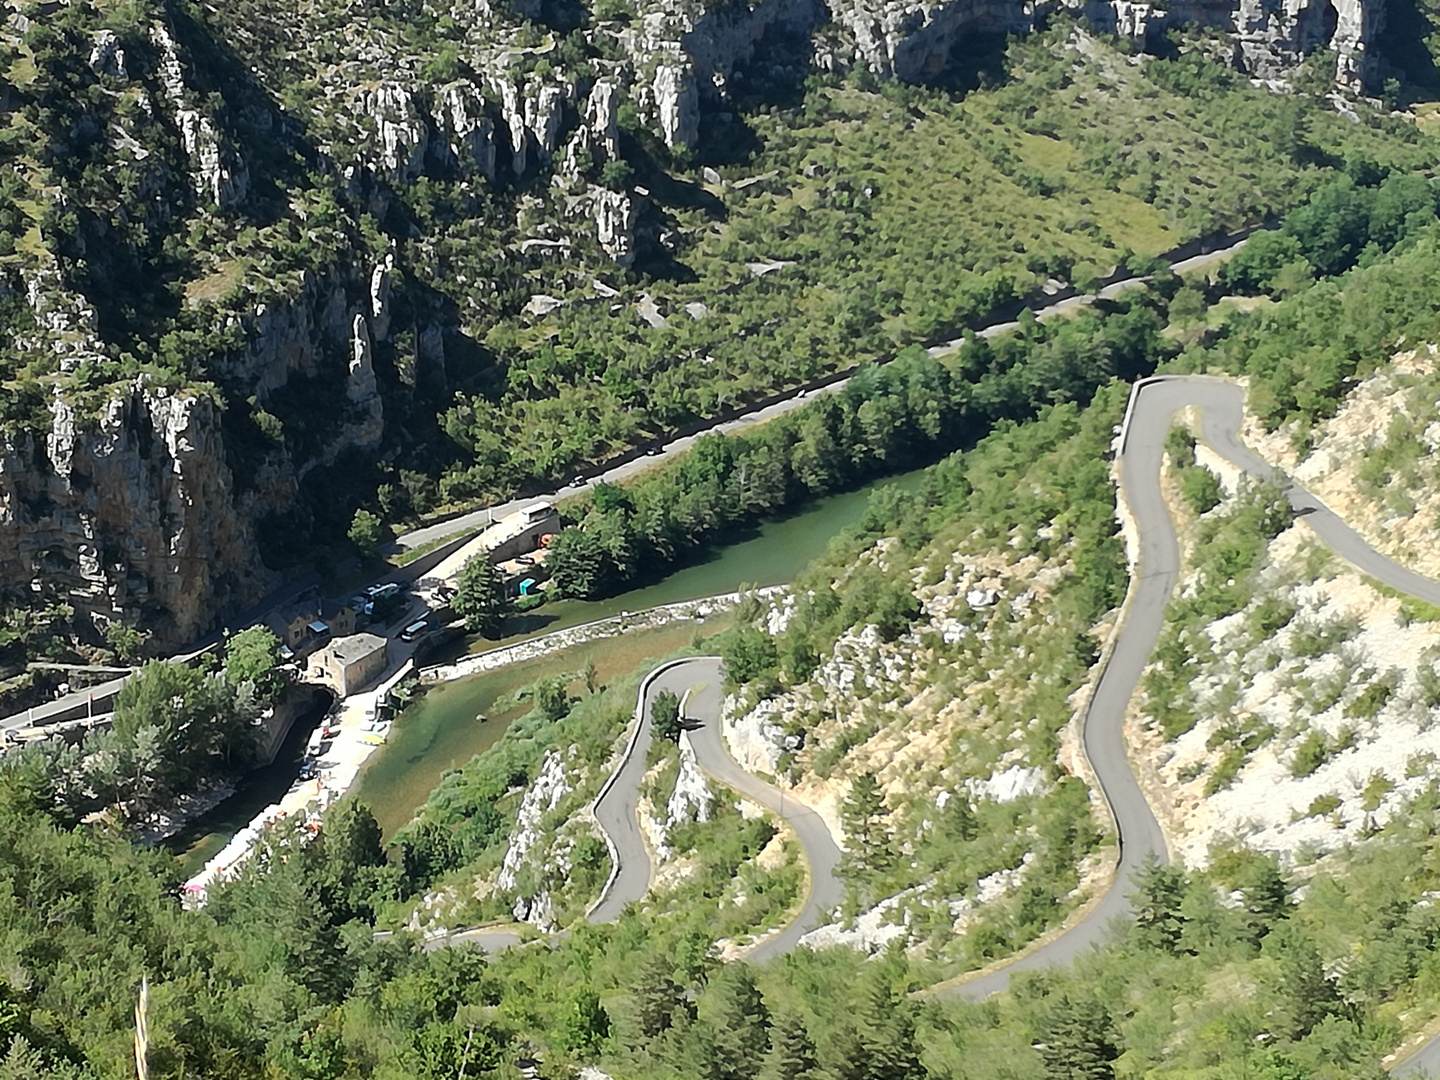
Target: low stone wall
(591,631)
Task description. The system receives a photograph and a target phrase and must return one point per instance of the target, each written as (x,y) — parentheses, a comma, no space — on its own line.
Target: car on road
(414,630)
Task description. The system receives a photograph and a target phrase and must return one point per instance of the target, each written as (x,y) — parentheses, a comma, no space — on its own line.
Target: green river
(441,731)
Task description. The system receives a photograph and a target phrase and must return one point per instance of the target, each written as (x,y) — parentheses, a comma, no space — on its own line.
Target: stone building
(350,663)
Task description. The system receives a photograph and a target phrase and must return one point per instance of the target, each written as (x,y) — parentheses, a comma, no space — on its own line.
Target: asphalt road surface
(617,806)
(1154,402)
(699,682)
(703,677)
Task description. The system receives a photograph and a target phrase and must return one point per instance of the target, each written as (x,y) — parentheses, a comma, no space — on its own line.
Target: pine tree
(863,816)
(1079,1040)
(957,821)
(845,1056)
(792,1051)
(657,997)
(350,851)
(1157,899)
(1309,995)
(1266,896)
(887,1032)
(586,1024)
(737,1014)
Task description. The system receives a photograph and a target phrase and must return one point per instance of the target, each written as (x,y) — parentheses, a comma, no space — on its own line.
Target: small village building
(350,663)
(341,619)
(306,625)
(292,626)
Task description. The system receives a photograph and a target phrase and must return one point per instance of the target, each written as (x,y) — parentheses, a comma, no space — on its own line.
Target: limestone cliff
(695,54)
(129,510)
(131,516)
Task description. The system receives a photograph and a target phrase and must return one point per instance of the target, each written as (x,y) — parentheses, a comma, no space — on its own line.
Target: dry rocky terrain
(1315,703)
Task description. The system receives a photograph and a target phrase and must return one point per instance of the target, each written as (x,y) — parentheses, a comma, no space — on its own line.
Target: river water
(442,730)
(212,830)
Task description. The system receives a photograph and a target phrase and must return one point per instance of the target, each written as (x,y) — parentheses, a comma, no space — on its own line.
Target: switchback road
(704,679)
(699,682)
(1153,404)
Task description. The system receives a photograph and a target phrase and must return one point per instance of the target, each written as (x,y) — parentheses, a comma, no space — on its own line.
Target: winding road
(1153,404)
(1148,419)
(699,681)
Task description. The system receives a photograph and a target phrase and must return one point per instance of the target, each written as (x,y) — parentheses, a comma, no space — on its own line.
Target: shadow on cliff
(978,63)
(278,152)
(1405,49)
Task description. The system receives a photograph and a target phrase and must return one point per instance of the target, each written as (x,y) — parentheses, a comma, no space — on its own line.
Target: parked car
(414,630)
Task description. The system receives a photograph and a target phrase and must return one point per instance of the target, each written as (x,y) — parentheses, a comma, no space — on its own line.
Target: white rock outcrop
(551,784)
(616,216)
(1009,784)
(677,104)
(601,130)
(467,132)
(126,510)
(107,56)
(380,290)
(172,75)
(533,114)
(691,800)
(367,424)
(219,174)
(400,136)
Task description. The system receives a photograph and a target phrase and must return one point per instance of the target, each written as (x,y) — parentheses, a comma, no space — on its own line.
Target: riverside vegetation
(890,416)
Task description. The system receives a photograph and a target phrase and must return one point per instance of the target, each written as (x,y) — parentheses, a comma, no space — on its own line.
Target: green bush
(1201,489)
(1313,751)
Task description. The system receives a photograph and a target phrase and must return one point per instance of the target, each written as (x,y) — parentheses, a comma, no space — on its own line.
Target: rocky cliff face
(913,41)
(615,218)
(130,516)
(695,55)
(129,510)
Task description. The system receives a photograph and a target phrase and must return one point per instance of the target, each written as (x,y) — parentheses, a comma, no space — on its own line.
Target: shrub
(665,719)
(1313,752)
(1201,489)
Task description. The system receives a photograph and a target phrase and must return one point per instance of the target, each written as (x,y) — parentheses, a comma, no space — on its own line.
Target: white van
(414,630)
